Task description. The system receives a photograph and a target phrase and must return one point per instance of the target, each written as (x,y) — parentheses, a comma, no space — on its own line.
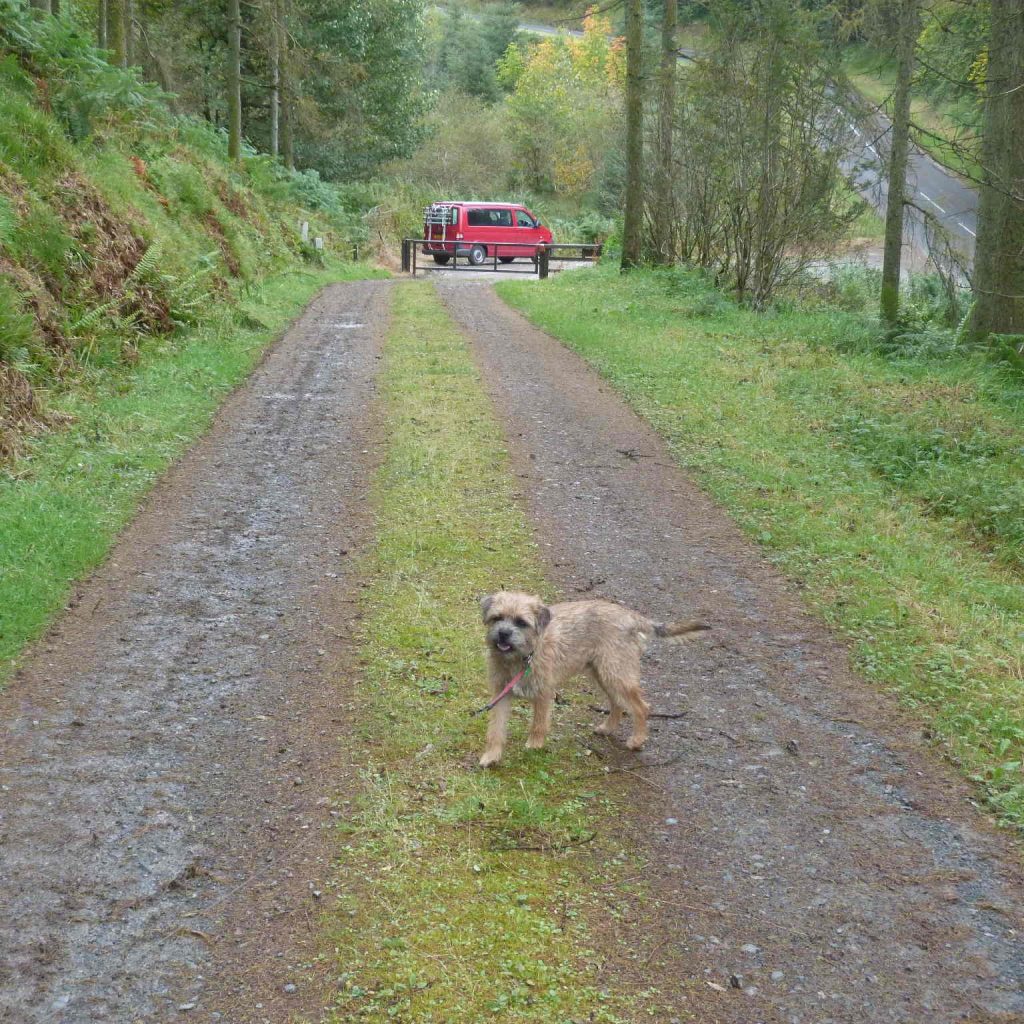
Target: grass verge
(465,893)
(893,489)
(65,499)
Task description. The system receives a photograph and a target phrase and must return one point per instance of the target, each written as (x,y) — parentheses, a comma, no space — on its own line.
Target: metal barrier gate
(496,262)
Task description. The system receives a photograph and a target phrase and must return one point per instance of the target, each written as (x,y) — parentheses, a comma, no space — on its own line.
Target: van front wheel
(477,255)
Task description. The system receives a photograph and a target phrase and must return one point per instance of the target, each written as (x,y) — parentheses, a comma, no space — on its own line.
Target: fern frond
(93,317)
(147,265)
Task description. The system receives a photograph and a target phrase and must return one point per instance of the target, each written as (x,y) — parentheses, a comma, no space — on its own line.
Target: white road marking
(967,229)
(855,130)
(872,148)
(928,199)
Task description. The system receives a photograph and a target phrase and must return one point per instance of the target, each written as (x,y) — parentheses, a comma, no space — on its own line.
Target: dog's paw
(603,730)
(489,758)
(534,744)
(635,744)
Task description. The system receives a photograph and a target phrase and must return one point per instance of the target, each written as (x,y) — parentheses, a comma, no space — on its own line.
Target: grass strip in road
(64,501)
(463,894)
(893,489)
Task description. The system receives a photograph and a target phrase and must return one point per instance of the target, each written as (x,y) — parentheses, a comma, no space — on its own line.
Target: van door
(527,231)
(489,224)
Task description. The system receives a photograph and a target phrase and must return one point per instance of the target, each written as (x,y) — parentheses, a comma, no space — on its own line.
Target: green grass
(465,894)
(892,489)
(874,75)
(63,502)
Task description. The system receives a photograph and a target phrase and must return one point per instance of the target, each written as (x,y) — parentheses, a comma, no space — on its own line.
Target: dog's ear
(485,605)
(543,616)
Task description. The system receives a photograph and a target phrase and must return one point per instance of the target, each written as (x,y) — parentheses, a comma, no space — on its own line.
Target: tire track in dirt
(170,750)
(809,860)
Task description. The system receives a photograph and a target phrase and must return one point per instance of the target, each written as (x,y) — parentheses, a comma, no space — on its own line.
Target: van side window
(524,220)
(489,218)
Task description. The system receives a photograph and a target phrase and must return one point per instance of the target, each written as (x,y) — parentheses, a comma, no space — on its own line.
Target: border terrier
(545,646)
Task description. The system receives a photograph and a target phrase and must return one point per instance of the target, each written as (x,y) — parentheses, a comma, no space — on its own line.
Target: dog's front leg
(541,721)
(497,730)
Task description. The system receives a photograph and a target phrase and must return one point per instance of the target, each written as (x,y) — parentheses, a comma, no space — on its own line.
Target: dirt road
(169,754)
(166,765)
(809,861)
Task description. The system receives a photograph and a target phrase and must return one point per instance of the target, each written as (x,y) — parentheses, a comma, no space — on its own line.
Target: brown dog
(551,644)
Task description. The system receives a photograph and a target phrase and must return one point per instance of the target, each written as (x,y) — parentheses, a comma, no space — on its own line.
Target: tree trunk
(631,240)
(909,28)
(101,24)
(999,250)
(234,80)
(661,212)
(41,5)
(275,77)
(287,91)
(116,31)
(130,34)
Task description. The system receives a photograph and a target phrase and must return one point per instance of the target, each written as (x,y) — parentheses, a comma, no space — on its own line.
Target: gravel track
(170,750)
(809,859)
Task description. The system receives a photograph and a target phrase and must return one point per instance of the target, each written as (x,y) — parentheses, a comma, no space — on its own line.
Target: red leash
(504,693)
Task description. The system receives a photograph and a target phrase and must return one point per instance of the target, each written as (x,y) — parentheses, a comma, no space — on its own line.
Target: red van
(472,229)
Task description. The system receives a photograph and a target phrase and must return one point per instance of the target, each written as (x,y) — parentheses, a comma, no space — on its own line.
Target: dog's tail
(682,627)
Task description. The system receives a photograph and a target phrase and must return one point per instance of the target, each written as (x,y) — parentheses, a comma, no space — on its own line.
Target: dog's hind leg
(541,721)
(619,676)
(639,710)
(611,723)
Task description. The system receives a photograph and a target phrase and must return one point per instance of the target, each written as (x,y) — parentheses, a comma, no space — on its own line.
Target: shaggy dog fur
(595,638)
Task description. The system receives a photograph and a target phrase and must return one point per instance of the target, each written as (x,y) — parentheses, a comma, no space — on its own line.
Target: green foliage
(81,87)
(758,195)
(365,63)
(109,243)
(469,47)
(468,152)
(17,327)
(30,141)
(971,474)
(565,109)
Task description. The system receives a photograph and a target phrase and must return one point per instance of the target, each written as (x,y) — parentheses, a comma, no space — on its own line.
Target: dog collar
(508,689)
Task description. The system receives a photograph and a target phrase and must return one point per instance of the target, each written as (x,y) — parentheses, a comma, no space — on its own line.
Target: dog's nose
(504,634)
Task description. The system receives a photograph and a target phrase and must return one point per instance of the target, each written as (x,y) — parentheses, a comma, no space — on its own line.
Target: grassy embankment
(466,894)
(893,489)
(874,76)
(141,274)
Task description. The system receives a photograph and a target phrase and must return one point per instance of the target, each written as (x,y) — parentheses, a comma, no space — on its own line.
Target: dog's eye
(520,623)
(492,619)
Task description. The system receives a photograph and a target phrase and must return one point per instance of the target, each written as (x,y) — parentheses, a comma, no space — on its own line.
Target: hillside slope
(120,223)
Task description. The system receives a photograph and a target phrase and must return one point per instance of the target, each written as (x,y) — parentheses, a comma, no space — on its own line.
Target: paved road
(938,195)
